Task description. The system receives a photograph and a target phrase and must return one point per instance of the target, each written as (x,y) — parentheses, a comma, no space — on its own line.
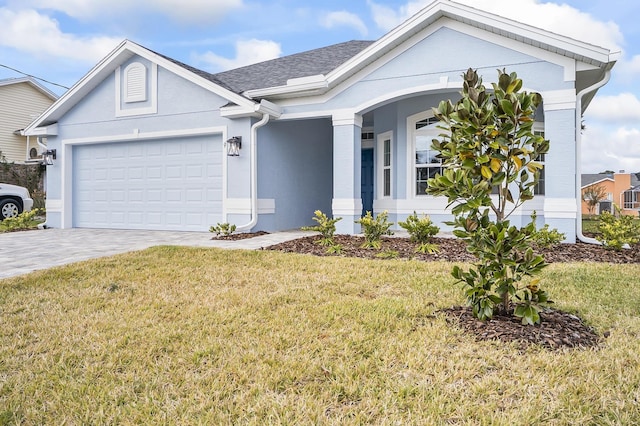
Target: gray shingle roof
(588,179)
(276,72)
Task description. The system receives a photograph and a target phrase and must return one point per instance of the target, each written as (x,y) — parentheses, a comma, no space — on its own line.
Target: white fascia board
(81,87)
(257,110)
(292,86)
(51,130)
(596,182)
(489,23)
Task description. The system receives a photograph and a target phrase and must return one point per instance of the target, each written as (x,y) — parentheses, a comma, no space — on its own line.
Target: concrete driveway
(24,252)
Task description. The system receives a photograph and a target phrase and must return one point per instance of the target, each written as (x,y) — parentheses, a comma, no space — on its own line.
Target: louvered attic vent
(135,87)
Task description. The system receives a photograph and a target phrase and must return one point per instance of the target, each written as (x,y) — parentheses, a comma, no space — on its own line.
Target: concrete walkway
(24,252)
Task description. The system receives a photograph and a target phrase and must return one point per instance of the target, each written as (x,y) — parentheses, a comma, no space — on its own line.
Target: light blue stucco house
(141,140)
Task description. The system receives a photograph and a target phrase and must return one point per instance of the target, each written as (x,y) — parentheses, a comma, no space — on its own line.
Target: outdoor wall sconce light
(48,156)
(233,146)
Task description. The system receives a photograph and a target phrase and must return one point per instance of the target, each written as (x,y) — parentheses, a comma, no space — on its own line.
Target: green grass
(590,225)
(204,336)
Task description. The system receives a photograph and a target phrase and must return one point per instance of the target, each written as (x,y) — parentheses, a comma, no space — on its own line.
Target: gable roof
(108,65)
(594,56)
(32,82)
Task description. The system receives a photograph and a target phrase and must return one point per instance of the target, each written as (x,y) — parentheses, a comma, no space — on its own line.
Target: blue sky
(61,40)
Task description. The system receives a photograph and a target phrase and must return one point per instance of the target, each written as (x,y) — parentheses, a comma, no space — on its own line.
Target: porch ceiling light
(48,157)
(233,146)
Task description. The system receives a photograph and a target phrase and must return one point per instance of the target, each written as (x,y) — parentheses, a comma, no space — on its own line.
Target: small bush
(326,227)
(545,236)
(420,230)
(223,229)
(616,231)
(24,221)
(374,229)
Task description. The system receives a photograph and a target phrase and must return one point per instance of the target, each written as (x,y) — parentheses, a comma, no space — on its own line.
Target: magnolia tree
(489,147)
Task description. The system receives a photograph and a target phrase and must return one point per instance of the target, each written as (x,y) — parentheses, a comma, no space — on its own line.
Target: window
(425,160)
(386,168)
(135,83)
(385,164)
(631,199)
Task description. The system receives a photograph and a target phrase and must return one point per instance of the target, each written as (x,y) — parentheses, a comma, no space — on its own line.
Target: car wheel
(9,208)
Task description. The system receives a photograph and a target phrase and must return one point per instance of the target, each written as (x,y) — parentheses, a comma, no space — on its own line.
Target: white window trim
(411,153)
(152,108)
(382,137)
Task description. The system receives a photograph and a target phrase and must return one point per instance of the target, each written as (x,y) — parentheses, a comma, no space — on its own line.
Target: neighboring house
(141,138)
(22,100)
(621,189)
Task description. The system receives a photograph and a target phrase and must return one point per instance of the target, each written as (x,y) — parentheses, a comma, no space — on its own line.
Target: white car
(14,200)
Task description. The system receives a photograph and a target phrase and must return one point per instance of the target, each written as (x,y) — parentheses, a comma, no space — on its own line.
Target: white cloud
(605,148)
(247,52)
(36,34)
(558,18)
(186,11)
(621,108)
(344,18)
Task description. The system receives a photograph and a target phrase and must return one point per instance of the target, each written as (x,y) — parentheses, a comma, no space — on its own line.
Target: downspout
(43,225)
(267,109)
(594,87)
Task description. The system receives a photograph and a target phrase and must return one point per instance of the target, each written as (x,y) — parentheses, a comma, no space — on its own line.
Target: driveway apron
(24,252)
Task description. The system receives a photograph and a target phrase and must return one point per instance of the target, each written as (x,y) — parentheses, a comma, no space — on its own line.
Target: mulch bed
(240,236)
(453,250)
(557,329)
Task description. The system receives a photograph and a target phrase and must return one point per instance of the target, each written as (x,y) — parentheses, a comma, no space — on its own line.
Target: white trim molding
(380,166)
(346,207)
(136,134)
(555,100)
(243,206)
(53,205)
(560,208)
(346,118)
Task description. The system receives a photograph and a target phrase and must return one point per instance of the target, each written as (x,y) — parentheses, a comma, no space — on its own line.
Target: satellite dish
(33,153)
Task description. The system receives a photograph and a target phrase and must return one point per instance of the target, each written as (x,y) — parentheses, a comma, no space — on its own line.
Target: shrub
(545,236)
(374,229)
(420,231)
(24,221)
(326,227)
(223,229)
(615,232)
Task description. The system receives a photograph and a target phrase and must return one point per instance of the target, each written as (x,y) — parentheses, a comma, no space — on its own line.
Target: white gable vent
(135,83)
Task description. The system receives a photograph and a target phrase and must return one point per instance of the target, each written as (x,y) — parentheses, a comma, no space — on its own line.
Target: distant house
(146,142)
(621,189)
(22,100)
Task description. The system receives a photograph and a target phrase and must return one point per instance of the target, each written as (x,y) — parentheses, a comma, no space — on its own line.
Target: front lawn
(204,336)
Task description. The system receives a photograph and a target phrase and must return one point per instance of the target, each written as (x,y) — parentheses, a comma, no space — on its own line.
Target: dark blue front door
(366,181)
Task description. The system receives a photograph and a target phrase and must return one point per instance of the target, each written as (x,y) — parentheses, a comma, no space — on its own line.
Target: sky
(61,40)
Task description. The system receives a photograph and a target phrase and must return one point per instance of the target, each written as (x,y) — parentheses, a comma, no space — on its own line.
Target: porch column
(560,171)
(346,203)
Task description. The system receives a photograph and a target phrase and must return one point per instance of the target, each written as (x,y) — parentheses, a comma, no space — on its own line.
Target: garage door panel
(164,184)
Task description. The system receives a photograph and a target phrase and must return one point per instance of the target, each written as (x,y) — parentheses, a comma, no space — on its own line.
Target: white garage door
(172,184)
